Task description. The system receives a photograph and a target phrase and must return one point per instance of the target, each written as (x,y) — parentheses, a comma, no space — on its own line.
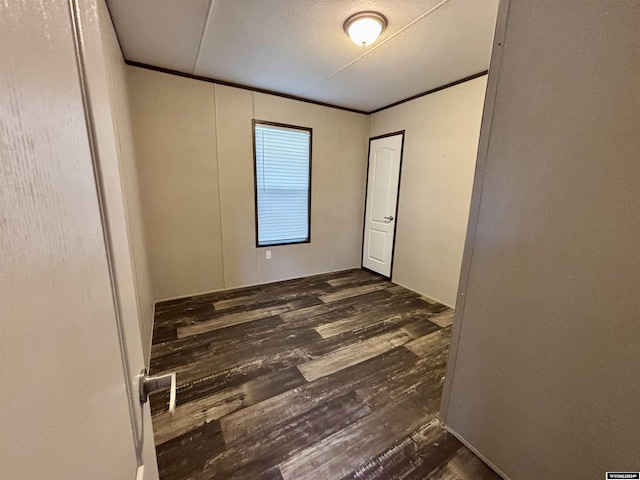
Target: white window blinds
(282,184)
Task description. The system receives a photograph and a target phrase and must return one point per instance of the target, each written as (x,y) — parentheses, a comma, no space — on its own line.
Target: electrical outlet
(268,254)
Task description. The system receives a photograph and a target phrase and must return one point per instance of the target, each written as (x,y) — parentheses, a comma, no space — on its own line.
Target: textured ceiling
(298,47)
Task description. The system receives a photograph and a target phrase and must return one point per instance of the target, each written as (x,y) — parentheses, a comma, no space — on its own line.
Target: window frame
(254,123)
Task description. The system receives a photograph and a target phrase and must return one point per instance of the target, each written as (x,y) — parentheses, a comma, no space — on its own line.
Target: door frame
(366,195)
(90,27)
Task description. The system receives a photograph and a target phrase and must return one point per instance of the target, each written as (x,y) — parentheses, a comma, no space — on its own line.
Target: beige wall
(440,147)
(544,377)
(175,135)
(195,154)
(122,131)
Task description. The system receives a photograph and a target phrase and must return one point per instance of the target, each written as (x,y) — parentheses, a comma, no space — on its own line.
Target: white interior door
(68,403)
(383,181)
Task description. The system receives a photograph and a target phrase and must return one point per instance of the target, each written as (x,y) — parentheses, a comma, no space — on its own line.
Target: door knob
(152,383)
(389,218)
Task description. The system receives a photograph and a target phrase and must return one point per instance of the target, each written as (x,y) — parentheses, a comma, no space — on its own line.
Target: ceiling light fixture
(365,27)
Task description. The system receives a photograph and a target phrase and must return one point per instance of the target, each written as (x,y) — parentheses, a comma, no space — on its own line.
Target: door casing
(366,194)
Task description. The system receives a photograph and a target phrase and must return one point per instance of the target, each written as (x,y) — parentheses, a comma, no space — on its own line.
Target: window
(282,182)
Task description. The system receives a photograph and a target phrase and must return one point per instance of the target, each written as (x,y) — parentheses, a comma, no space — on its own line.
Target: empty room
(290,239)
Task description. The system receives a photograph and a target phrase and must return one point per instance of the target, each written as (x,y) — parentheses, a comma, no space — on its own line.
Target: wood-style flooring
(334,376)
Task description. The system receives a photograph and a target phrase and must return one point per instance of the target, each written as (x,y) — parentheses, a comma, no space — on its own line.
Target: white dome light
(365,27)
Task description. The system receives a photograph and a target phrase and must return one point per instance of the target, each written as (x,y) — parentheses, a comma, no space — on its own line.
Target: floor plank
(352,292)
(464,465)
(362,320)
(417,455)
(351,355)
(331,376)
(193,414)
(201,445)
(287,405)
(443,319)
(427,343)
(340,453)
(250,455)
(230,320)
(274,348)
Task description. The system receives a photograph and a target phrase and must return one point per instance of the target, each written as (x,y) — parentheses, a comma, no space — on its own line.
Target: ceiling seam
(384,42)
(204,31)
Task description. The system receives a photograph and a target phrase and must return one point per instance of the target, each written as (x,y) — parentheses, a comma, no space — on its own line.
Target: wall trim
(433,90)
(238,85)
(294,97)
(224,289)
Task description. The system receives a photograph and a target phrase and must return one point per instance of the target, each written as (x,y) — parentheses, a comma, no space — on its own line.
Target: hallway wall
(543,373)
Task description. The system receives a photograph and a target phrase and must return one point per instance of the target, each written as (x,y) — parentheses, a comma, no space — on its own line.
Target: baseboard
(475,451)
(224,289)
(338,270)
(188,295)
(429,297)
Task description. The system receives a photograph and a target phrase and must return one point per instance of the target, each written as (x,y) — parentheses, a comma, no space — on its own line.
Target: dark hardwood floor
(335,376)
